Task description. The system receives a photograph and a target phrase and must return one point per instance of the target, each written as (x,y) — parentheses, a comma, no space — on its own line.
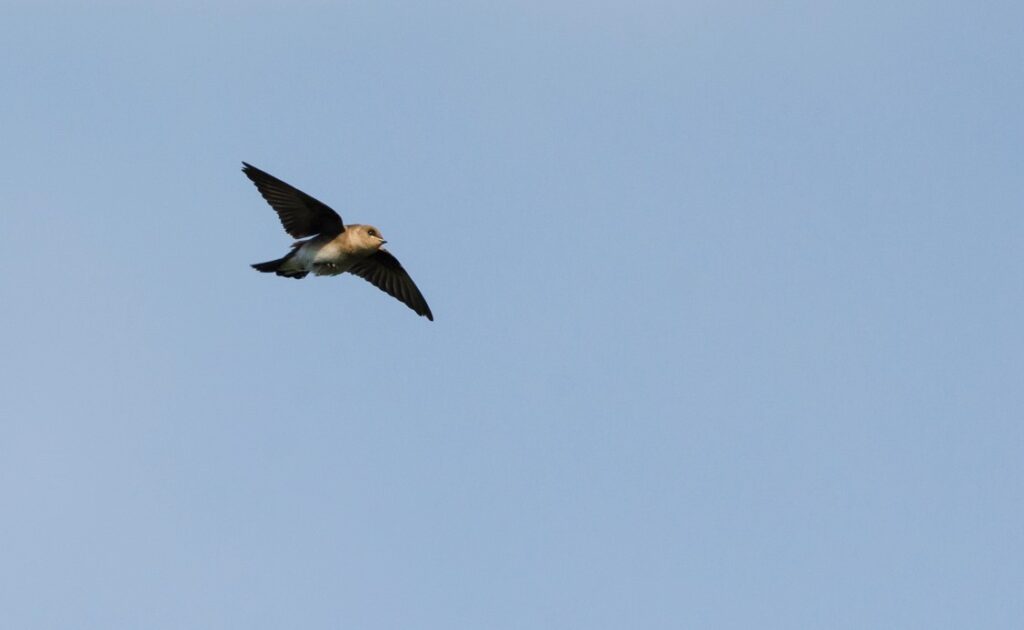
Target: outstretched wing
(300,214)
(385,272)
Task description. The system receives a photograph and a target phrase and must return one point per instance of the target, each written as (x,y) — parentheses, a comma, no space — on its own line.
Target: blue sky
(728,316)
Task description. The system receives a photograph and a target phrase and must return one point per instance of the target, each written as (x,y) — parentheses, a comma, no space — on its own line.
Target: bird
(330,247)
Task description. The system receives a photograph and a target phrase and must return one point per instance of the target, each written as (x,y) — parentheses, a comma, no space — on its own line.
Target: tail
(275,266)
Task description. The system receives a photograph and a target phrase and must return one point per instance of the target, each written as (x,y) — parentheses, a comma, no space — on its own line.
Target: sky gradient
(728,303)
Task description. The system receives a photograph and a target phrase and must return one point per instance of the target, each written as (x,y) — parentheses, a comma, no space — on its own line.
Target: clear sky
(728,303)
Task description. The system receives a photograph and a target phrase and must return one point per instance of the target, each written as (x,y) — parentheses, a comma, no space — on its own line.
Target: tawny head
(366,236)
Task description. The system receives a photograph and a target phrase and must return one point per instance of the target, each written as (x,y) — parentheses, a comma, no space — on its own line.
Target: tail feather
(275,266)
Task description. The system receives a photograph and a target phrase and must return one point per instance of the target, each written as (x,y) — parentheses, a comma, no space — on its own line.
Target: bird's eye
(373,233)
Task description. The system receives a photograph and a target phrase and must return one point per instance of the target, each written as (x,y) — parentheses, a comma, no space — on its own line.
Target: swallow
(331,247)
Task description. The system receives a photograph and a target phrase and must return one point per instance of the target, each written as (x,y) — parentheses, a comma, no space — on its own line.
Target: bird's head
(369,237)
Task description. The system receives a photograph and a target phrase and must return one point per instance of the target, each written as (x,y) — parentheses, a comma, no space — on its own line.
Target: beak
(382,241)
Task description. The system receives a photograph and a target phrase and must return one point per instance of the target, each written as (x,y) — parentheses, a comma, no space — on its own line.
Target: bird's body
(327,255)
(332,248)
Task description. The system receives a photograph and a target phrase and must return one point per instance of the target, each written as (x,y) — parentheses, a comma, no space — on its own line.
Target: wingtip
(252,172)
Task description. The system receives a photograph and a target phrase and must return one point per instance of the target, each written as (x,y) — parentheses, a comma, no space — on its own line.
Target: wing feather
(387,274)
(300,214)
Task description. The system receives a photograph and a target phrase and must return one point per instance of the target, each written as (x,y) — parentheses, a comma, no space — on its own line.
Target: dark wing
(385,272)
(300,214)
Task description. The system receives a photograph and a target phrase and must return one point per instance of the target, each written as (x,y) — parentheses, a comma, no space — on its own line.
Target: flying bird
(334,247)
